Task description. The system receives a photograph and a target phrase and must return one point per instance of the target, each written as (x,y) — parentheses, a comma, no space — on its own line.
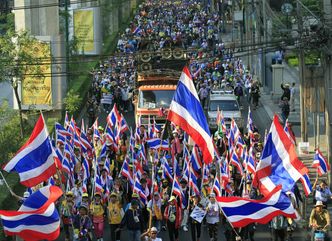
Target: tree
(17,61)
(72,102)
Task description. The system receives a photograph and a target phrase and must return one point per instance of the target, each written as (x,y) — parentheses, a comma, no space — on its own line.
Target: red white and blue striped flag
(187,112)
(242,211)
(37,218)
(279,162)
(320,163)
(35,161)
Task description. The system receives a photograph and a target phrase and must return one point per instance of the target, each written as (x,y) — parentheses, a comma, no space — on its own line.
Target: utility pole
(328,87)
(303,113)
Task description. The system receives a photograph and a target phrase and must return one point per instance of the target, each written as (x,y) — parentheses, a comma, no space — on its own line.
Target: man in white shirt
(151,236)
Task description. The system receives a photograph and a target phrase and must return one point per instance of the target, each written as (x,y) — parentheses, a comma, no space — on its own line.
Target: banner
(198,214)
(84,30)
(37,90)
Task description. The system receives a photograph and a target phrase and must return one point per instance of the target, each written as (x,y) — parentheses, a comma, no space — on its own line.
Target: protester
(97,213)
(82,225)
(154,206)
(195,225)
(151,235)
(319,220)
(212,217)
(322,192)
(279,228)
(172,216)
(284,105)
(286,91)
(115,214)
(255,93)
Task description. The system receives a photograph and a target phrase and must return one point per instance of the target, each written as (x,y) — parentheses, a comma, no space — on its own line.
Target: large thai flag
(37,218)
(242,211)
(187,112)
(320,163)
(157,143)
(279,163)
(35,161)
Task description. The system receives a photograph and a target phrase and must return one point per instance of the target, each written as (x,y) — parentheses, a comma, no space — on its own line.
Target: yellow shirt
(97,210)
(114,210)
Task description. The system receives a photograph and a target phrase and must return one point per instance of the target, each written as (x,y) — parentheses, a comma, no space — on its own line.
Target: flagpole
(10,190)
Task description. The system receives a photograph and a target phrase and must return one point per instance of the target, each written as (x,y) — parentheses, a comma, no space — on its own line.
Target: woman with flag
(97,213)
(212,217)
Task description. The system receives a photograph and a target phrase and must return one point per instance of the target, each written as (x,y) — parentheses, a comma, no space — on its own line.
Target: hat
(98,194)
(172,199)
(85,195)
(212,195)
(134,195)
(83,205)
(154,229)
(100,128)
(175,132)
(113,194)
(69,193)
(286,85)
(26,194)
(165,180)
(156,193)
(319,203)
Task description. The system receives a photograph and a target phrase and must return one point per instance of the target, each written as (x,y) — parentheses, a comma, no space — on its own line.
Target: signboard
(37,90)
(198,214)
(84,29)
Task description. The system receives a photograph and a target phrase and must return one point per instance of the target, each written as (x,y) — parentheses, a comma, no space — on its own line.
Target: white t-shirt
(156,239)
(212,215)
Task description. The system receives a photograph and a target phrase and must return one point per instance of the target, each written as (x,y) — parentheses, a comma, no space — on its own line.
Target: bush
(72,101)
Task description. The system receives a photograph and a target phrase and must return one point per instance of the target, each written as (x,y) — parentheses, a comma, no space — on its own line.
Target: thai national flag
(193,182)
(167,170)
(113,117)
(250,125)
(85,143)
(176,189)
(242,211)
(123,127)
(37,218)
(96,134)
(125,171)
(67,123)
(156,143)
(306,184)
(187,112)
(35,161)
(86,168)
(196,159)
(320,163)
(289,133)
(224,172)
(98,184)
(140,191)
(235,161)
(176,168)
(251,164)
(279,163)
(61,133)
(137,30)
(216,187)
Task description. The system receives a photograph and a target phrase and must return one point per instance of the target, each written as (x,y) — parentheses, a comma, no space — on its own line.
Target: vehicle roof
(223,97)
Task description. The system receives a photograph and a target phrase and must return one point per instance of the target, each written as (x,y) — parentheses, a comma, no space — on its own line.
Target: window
(224,105)
(155,98)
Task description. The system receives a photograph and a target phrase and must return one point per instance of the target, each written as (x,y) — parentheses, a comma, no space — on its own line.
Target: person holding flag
(97,213)
(322,192)
(67,210)
(195,226)
(172,216)
(213,212)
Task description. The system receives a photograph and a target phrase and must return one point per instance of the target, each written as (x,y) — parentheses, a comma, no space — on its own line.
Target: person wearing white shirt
(151,235)
(213,216)
(323,192)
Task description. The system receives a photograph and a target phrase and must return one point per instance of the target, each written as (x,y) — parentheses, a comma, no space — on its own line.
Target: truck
(154,94)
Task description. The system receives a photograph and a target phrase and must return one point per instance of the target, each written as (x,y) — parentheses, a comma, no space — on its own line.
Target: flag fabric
(187,112)
(113,117)
(167,169)
(196,159)
(216,187)
(98,185)
(86,168)
(96,134)
(289,133)
(279,163)
(35,161)
(321,163)
(123,126)
(157,143)
(306,184)
(250,125)
(242,211)
(140,191)
(235,161)
(176,188)
(125,171)
(67,122)
(37,218)
(250,163)
(193,182)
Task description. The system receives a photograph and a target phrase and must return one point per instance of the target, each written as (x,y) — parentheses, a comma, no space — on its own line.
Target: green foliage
(72,101)
(10,139)
(7,22)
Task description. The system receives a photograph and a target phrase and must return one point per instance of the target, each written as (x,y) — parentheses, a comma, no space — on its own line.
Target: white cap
(26,194)
(154,229)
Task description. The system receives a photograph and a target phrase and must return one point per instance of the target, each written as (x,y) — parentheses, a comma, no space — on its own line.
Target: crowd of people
(123,182)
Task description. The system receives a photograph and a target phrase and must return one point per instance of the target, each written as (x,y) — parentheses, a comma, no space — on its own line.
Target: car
(228,104)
